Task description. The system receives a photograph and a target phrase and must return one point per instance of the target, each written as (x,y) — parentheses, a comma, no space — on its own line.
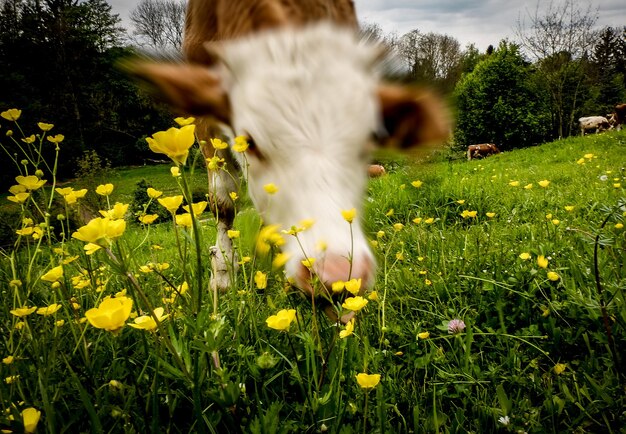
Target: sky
(482,22)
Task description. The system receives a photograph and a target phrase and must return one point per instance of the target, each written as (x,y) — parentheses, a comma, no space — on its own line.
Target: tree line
(58,64)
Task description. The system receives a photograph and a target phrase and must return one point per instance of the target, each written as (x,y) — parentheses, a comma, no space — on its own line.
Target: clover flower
(367,381)
(456,326)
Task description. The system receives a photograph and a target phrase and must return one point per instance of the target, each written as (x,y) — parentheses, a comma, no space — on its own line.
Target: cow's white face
(307,102)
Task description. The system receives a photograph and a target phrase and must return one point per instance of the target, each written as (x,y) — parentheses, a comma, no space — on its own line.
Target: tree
(159,24)
(557,40)
(500,102)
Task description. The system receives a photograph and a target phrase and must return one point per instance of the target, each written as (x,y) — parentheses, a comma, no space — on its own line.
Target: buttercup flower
(100,231)
(233,195)
(30,419)
(11,114)
(367,381)
(353,286)
(117,212)
(417,183)
(148,219)
(53,275)
(56,139)
(417,220)
(232,234)
(104,189)
(338,286)
(355,303)
(49,310)
(542,261)
(398,227)
(282,320)
(175,142)
(184,220)
(31,182)
(429,221)
(44,126)
(490,214)
(175,171)
(111,314)
(171,203)
(269,236)
(19,197)
(559,368)
(241,144)
(348,330)
(619,226)
(423,335)
(184,121)
(469,214)
(349,214)
(553,276)
(198,208)
(8,360)
(456,326)
(260,280)
(219,144)
(544,183)
(270,188)
(373,296)
(528,186)
(23,311)
(147,322)
(524,256)
(153,194)
(514,183)
(569,208)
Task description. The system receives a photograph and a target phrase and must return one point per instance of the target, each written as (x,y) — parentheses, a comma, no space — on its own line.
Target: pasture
(498,307)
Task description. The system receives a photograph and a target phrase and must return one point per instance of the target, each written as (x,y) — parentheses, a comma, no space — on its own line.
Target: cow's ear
(412,117)
(188,88)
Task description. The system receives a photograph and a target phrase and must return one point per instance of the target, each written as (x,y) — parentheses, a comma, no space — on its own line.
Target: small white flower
(504,420)
(604,178)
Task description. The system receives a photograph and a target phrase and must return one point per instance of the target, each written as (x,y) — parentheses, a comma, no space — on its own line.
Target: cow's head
(309,101)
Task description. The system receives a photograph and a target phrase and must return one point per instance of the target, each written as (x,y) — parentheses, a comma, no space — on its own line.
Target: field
(498,307)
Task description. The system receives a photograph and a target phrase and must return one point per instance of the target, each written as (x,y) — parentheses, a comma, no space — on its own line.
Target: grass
(541,350)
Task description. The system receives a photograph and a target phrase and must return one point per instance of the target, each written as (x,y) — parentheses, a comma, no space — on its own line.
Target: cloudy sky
(482,22)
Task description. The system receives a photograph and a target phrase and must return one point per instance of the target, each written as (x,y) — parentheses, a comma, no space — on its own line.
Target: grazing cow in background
(294,79)
(593,123)
(481,151)
(618,117)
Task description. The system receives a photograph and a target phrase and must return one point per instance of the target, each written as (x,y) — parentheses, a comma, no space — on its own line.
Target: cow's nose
(333,268)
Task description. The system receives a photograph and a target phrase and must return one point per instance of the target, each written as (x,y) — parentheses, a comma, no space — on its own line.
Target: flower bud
(39,173)
(9,133)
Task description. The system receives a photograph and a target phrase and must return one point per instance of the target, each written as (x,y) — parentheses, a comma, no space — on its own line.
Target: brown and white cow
(618,117)
(293,77)
(482,150)
(593,123)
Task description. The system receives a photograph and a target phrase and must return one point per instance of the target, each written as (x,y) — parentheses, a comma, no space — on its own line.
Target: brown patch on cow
(482,150)
(375,171)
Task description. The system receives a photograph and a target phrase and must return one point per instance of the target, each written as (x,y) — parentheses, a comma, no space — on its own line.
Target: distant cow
(618,117)
(288,75)
(593,123)
(481,151)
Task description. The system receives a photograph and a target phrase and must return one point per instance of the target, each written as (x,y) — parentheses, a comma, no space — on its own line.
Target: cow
(618,117)
(293,77)
(481,151)
(593,123)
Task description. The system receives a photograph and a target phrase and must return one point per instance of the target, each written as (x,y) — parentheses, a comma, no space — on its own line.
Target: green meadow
(498,306)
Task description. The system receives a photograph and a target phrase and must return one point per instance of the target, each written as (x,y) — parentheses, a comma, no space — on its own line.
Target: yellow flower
(233,195)
(588,156)
(49,310)
(569,208)
(104,189)
(218,144)
(8,360)
(171,203)
(417,183)
(30,419)
(53,275)
(11,114)
(367,381)
(59,323)
(528,186)
(111,314)
(490,214)
(542,261)
(232,234)
(214,162)
(423,335)
(354,303)
(514,183)
(308,262)
(44,126)
(117,212)
(19,197)
(338,286)
(617,185)
(30,139)
(469,214)
(91,248)
(544,183)
(260,280)
(184,121)
(175,142)
(389,213)
(619,225)
(282,320)
(280,259)
(429,221)
(417,220)
(241,144)
(348,330)
(23,311)
(56,139)
(398,227)
(148,219)
(524,256)
(153,194)
(147,322)
(269,236)
(353,286)
(580,161)
(31,182)
(553,276)
(549,216)
(400,256)
(198,208)
(556,222)
(175,171)
(270,188)
(559,368)
(348,214)
(184,220)
(100,231)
